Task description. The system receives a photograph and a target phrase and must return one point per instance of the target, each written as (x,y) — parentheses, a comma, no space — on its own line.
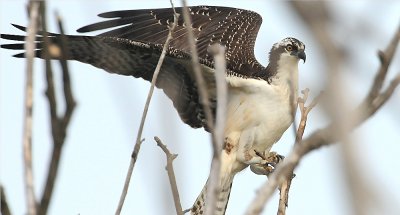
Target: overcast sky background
(104,125)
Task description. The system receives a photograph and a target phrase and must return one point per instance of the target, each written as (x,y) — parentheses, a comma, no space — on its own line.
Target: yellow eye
(289,48)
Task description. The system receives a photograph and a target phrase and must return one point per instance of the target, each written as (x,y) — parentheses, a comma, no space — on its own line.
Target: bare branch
(304,113)
(222,91)
(285,185)
(284,196)
(385,59)
(217,133)
(328,135)
(384,96)
(69,98)
(375,100)
(201,85)
(27,137)
(59,124)
(50,93)
(214,185)
(146,108)
(171,175)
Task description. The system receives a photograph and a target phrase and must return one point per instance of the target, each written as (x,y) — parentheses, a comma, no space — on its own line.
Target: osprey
(261,99)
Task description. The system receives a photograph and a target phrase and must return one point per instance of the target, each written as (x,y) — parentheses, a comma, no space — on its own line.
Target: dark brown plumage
(234,28)
(133,48)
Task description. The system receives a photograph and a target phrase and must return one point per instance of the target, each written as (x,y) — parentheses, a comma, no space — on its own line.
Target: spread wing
(234,28)
(138,59)
(134,47)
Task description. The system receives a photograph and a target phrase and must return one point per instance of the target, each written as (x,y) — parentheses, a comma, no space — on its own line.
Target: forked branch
(171,175)
(304,110)
(59,124)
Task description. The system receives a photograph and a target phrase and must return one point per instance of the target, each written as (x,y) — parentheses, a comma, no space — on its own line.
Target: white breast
(255,104)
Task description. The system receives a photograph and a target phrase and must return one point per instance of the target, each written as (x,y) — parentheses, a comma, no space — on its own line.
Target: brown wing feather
(126,57)
(236,29)
(133,48)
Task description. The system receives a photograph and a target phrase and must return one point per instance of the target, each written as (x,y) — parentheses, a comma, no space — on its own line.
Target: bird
(260,100)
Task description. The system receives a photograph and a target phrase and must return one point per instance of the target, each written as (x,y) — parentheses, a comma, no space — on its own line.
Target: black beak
(302,55)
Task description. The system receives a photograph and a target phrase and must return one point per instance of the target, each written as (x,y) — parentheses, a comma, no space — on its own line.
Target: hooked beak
(300,54)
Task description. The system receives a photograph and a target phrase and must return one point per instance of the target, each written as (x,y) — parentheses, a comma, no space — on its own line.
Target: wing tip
(19,27)
(15,46)
(106,15)
(20,55)
(83,29)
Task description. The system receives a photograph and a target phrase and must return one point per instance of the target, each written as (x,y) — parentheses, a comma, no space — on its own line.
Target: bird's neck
(284,70)
(286,77)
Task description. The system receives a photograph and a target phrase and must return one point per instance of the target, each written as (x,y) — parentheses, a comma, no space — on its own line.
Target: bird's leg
(247,153)
(244,146)
(267,166)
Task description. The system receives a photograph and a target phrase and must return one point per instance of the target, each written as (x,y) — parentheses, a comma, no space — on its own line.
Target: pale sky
(105,122)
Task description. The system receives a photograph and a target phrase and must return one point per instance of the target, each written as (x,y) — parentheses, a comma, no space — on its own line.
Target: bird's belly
(264,118)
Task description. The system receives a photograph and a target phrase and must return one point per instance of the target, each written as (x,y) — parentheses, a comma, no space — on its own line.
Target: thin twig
(69,98)
(304,110)
(284,196)
(27,137)
(59,124)
(214,183)
(50,93)
(201,85)
(171,175)
(146,107)
(328,135)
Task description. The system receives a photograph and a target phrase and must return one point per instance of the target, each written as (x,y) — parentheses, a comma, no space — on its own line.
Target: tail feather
(222,199)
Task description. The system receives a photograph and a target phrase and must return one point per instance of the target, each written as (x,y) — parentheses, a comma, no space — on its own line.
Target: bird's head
(290,49)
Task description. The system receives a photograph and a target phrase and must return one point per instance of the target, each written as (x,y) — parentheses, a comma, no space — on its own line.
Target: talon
(262,169)
(267,166)
(261,155)
(274,157)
